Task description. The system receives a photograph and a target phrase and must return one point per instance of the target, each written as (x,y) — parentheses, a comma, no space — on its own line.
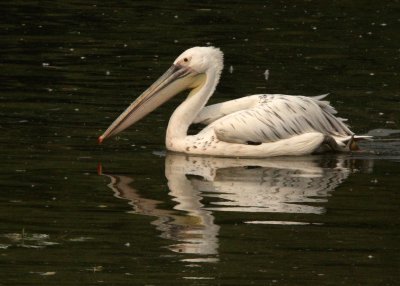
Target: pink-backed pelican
(260,125)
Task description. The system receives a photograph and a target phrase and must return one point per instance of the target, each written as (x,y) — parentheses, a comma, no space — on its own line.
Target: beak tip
(100,139)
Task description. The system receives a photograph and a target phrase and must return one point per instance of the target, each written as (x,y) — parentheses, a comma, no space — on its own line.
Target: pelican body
(261,125)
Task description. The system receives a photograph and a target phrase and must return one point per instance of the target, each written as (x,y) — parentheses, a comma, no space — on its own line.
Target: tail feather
(362,137)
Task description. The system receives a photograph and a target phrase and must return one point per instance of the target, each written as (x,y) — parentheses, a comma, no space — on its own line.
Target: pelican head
(189,71)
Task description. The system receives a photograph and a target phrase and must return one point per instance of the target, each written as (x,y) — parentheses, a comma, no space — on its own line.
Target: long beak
(176,79)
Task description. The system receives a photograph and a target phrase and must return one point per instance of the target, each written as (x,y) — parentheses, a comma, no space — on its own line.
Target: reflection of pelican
(253,185)
(247,185)
(195,230)
(252,126)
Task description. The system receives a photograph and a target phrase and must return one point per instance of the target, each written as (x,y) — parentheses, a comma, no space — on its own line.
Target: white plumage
(273,117)
(254,126)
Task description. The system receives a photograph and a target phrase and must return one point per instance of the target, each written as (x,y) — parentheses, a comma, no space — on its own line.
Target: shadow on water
(203,186)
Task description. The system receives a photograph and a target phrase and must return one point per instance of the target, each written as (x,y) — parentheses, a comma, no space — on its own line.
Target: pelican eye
(185,60)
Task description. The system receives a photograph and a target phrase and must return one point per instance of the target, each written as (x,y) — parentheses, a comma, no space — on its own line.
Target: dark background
(68,68)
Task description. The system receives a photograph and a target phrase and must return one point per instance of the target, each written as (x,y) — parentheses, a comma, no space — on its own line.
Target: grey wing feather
(278,117)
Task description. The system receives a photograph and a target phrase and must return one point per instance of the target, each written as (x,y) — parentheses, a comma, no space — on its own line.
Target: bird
(254,126)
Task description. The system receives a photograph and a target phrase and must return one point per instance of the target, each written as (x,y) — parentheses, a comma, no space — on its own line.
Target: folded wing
(278,117)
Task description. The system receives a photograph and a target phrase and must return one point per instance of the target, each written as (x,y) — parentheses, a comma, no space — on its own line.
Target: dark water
(68,68)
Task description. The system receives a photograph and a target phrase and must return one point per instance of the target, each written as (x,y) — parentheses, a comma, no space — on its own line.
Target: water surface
(129,213)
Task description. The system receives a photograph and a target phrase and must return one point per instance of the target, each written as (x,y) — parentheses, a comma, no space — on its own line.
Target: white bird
(261,125)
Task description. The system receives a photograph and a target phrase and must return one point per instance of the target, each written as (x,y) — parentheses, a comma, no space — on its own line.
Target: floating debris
(28,240)
(48,273)
(96,268)
(4,246)
(80,239)
(266,74)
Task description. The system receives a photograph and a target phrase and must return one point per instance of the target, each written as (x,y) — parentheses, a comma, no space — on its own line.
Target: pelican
(261,125)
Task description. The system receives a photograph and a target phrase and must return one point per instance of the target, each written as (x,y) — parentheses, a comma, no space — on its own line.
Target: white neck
(187,111)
